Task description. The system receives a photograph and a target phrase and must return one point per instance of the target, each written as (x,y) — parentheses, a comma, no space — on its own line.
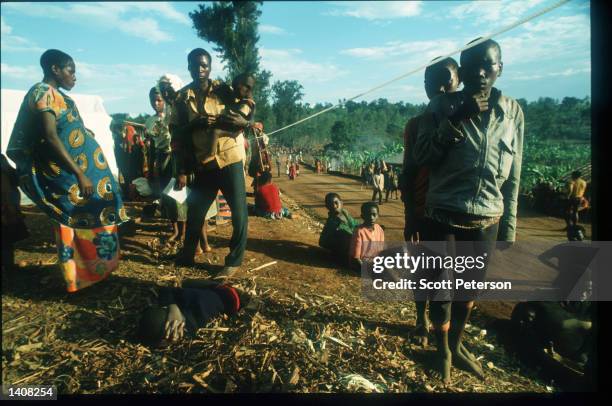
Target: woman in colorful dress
(62,169)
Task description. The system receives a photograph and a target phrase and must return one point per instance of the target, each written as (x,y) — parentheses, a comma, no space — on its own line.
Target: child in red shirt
(267,199)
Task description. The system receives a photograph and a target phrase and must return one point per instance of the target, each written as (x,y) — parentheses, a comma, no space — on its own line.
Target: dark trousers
(471,242)
(230,180)
(379,193)
(573,205)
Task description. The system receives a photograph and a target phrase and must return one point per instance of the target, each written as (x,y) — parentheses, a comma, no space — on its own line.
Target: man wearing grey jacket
(472,142)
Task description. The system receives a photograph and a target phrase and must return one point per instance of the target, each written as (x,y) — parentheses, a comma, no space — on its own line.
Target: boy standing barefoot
(472,141)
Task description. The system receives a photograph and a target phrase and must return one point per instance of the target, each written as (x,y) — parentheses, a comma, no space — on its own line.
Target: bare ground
(311,332)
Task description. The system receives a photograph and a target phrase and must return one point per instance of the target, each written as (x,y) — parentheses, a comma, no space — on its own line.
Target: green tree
(287,96)
(340,136)
(263,95)
(232,27)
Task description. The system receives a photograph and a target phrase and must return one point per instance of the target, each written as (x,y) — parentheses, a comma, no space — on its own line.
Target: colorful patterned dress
(86,229)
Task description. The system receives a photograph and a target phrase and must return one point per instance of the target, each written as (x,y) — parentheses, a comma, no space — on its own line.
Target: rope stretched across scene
(405,75)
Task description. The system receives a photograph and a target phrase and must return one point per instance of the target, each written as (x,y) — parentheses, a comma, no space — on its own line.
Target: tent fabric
(91,108)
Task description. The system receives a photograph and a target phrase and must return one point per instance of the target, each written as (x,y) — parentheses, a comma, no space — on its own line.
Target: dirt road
(89,336)
(309,191)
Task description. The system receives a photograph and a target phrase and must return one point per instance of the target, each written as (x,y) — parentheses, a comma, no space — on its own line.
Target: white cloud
(163,9)
(15,43)
(545,75)
(4,27)
(146,28)
(413,94)
(272,29)
(120,73)
(506,11)
(549,40)
(29,73)
(287,64)
(421,50)
(376,10)
(121,77)
(111,16)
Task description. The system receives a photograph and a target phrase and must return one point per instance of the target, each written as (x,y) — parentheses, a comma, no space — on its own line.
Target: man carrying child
(472,142)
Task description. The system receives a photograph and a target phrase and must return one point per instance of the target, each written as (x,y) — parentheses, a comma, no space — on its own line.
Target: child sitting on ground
(338,229)
(267,199)
(368,239)
(187,309)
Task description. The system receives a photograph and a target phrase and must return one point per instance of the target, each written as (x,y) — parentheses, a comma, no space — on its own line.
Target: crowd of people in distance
(196,139)
(382,178)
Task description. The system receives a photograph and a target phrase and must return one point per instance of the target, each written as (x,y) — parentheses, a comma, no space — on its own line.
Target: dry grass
(308,329)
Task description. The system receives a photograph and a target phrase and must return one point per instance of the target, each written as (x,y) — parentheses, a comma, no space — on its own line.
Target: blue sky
(334,49)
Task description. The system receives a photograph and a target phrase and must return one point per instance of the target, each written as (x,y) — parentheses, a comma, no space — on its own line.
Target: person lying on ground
(267,199)
(554,326)
(368,238)
(338,230)
(182,311)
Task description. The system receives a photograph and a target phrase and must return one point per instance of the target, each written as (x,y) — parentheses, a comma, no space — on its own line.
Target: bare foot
(442,367)
(467,363)
(465,352)
(421,335)
(200,250)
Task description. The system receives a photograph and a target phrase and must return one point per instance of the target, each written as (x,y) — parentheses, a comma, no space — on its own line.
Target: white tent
(91,108)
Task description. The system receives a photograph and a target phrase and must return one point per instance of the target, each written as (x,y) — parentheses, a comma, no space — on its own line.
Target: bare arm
(56,146)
